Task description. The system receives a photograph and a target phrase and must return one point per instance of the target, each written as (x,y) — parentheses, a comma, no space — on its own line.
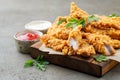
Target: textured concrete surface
(14,14)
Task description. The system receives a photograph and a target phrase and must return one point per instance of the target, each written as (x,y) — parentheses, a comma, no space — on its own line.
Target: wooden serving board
(86,65)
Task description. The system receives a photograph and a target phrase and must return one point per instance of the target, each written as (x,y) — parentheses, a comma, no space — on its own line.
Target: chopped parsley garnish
(61,20)
(100,58)
(92,18)
(72,23)
(113,15)
(38,63)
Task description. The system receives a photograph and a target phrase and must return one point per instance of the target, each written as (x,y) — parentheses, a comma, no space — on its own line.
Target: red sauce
(28,36)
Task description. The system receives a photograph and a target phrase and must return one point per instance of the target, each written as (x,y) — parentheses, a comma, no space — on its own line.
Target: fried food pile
(83,34)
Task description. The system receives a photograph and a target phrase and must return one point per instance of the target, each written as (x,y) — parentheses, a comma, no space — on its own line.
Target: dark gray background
(14,14)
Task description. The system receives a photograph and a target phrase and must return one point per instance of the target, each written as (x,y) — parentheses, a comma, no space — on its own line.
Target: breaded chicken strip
(116,19)
(101,43)
(106,23)
(57,44)
(76,12)
(113,33)
(115,43)
(59,31)
(52,42)
(80,46)
(75,37)
(83,34)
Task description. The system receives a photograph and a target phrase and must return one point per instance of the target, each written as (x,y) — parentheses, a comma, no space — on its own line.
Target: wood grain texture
(86,65)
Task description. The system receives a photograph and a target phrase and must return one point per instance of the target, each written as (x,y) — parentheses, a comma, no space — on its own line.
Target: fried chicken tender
(116,19)
(80,46)
(106,26)
(106,23)
(57,44)
(60,32)
(52,42)
(115,43)
(83,37)
(113,33)
(101,43)
(75,38)
(76,12)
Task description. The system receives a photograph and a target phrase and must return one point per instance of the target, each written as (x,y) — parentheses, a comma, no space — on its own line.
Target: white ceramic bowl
(23,46)
(38,25)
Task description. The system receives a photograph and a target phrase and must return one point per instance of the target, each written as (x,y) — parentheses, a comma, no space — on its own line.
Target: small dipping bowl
(23,45)
(38,25)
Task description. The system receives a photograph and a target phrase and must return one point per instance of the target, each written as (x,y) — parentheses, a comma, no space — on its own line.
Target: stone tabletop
(14,14)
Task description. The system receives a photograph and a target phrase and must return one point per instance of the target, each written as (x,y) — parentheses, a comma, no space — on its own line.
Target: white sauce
(38,25)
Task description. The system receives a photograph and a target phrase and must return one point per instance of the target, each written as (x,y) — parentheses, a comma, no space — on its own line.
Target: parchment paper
(51,51)
(116,56)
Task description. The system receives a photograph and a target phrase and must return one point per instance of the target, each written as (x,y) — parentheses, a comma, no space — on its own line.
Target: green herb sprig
(100,58)
(72,23)
(61,20)
(39,63)
(92,18)
(113,15)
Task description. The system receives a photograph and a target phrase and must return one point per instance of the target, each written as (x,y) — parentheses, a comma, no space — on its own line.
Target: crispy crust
(97,36)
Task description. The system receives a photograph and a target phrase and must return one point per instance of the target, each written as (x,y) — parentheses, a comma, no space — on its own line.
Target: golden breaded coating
(106,23)
(83,34)
(116,19)
(54,43)
(101,43)
(113,33)
(80,46)
(57,44)
(86,51)
(76,12)
(60,32)
(115,43)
